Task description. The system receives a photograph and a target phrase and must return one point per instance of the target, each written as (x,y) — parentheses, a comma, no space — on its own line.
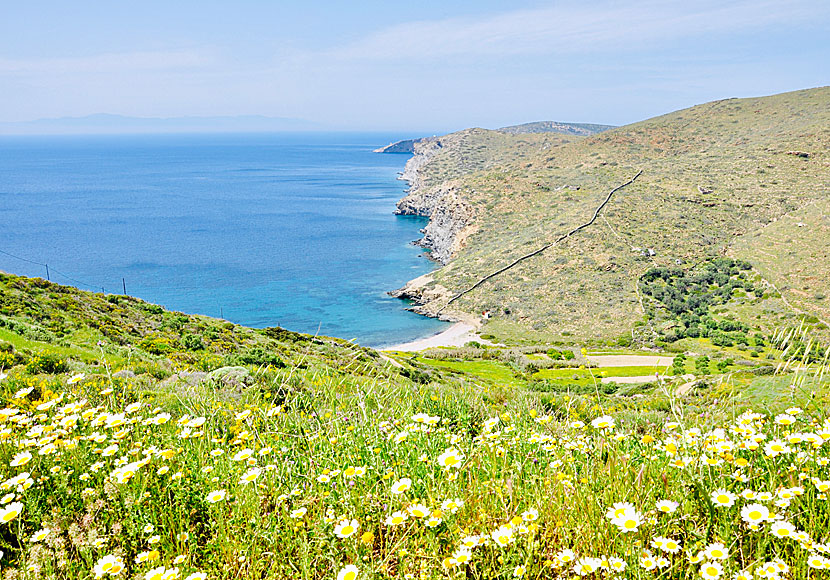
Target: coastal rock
(450,223)
(425,297)
(405,146)
(423,150)
(451,216)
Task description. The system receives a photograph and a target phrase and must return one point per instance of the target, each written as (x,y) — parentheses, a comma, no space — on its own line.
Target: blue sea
(291,230)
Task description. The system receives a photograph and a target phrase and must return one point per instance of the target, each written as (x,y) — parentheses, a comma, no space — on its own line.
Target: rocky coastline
(450,215)
(451,221)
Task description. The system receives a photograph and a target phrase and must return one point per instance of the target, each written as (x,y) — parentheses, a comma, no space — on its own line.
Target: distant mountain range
(557,127)
(582,129)
(104,123)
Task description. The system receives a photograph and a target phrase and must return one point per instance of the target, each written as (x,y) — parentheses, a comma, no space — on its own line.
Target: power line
(70,278)
(94,286)
(67,276)
(24,259)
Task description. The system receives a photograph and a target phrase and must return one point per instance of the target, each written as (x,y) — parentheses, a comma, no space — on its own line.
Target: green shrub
(192,342)
(46,363)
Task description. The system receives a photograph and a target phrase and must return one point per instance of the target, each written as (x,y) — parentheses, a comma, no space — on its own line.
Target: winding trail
(543,248)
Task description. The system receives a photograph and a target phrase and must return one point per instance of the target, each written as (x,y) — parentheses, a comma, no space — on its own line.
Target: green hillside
(146,444)
(724,178)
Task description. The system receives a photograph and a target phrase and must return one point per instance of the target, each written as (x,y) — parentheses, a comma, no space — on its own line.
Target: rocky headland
(450,216)
(450,219)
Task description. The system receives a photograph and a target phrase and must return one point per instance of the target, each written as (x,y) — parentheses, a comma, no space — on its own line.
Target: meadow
(350,470)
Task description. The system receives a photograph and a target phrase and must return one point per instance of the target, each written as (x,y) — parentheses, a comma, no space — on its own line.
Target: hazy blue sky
(425,65)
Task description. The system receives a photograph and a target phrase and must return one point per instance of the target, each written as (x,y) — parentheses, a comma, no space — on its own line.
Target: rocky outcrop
(422,153)
(583,129)
(425,296)
(450,215)
(450,220)
(405,146)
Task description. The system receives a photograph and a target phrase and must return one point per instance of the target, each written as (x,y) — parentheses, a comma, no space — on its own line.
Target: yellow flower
(367,538)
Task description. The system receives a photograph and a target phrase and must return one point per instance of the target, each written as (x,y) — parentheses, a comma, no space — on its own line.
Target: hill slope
(313,458)
(713,176)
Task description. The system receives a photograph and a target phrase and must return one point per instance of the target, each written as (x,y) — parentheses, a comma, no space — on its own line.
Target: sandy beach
(458,334)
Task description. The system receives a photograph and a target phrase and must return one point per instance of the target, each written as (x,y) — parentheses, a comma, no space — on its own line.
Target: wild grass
(311,471)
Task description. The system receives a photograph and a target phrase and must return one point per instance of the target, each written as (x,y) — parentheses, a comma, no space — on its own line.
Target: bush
(256,356)
(156,345)
(284,335)
(192,342)
(46,363)
(720,338)
(702,365)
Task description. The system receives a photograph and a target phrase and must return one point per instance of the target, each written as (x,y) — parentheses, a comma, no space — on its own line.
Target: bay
(291,230)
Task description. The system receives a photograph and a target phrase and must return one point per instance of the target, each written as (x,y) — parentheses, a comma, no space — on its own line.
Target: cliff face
(423,151)
(451,217)
(405,146)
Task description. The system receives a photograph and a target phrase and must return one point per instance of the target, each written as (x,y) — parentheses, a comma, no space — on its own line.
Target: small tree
(702,365)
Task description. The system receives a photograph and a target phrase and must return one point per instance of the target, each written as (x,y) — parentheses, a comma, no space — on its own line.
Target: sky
(427,66)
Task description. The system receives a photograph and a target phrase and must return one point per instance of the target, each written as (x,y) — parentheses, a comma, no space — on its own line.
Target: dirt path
(630,360)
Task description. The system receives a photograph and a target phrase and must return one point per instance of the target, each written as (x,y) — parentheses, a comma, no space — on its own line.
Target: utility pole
(124,285)
(47,272)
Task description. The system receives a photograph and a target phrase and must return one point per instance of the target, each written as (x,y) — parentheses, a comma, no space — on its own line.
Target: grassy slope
(712,175)
(40,316)
(332,406)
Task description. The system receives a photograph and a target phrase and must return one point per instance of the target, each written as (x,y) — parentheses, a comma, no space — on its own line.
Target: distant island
(105,124)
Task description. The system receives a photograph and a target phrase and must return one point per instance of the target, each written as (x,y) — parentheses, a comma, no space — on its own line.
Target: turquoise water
(262,230)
